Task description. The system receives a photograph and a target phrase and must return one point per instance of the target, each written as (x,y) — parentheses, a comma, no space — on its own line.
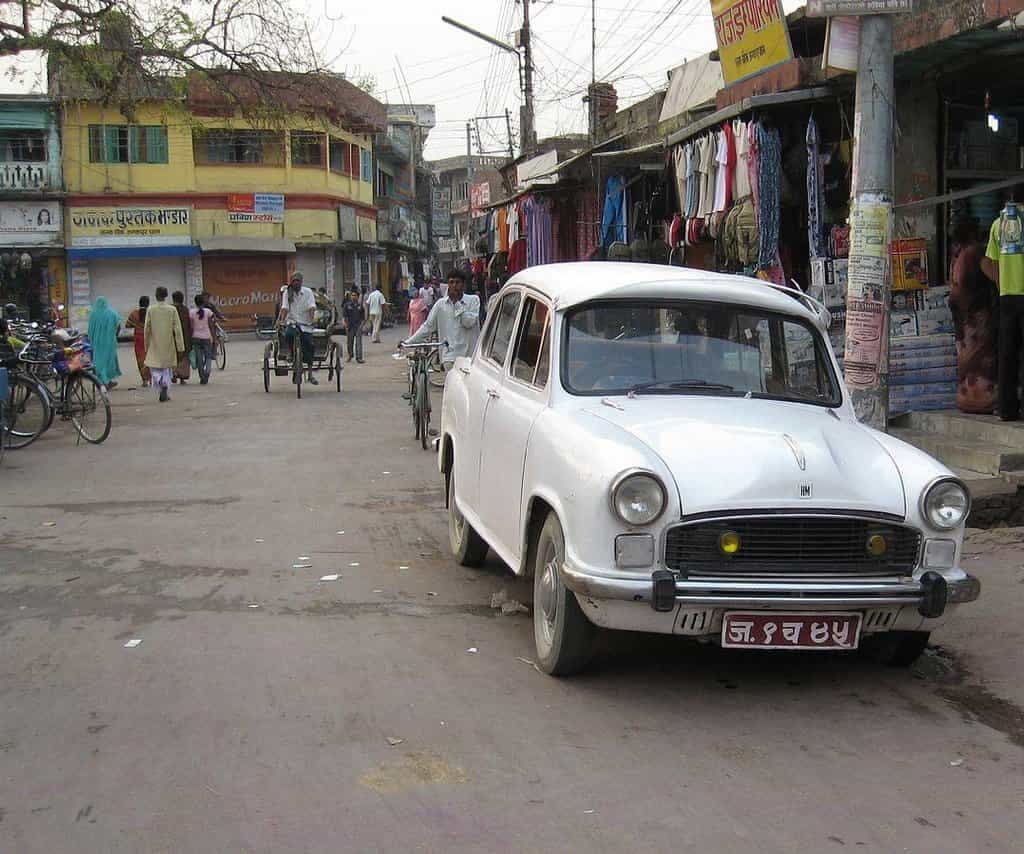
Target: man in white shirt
(455,320)
(375,303)
(298,306)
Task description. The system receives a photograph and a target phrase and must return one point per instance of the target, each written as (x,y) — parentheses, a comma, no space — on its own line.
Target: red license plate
(762,630)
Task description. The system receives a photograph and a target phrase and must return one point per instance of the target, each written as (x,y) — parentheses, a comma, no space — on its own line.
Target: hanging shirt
(513,223)
(730,163)
(679,161)
(613,220)
(503,229)
(741,178)
(721,173)
(706,167)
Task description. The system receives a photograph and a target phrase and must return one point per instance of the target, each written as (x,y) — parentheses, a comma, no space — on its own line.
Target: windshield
(695,348)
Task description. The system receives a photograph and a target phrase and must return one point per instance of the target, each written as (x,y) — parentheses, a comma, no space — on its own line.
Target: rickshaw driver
(298,306)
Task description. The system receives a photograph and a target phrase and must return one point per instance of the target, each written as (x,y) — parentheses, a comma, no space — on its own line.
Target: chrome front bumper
(790,594)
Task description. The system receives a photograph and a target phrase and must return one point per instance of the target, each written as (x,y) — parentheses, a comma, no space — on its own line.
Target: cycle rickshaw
(281,357)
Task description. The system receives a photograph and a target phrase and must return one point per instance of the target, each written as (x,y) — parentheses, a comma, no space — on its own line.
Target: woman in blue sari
(103,326)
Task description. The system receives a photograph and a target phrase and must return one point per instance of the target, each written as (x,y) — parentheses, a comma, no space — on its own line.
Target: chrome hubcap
(547,589)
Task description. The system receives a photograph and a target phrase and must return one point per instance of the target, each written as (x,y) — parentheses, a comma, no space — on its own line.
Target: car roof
(570,284)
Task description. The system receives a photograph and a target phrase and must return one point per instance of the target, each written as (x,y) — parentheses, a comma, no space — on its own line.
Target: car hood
(738,453)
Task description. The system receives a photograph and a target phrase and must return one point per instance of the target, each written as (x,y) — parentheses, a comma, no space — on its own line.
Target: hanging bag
(640,246)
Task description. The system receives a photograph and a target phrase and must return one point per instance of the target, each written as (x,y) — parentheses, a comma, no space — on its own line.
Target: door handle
(464,370)
(493,394)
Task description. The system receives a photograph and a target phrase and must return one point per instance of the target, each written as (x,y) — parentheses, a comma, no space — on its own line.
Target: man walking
(375,303)
(352,319)
(1004,264)
(298,309)
(455,320)
(165,342)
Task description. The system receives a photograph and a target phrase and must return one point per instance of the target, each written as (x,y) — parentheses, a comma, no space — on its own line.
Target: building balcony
(15,176)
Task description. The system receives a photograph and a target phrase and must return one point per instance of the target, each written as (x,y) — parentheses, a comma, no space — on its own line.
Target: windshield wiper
(703,385)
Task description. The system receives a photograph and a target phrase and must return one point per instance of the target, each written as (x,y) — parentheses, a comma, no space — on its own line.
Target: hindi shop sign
(30,223)
(752,37)
(255,207)
(441,211)
(832,8)
(479,195)
(130,226)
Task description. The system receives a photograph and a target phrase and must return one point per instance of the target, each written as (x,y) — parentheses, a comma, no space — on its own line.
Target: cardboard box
(912,360)
(920,376)
(944,342)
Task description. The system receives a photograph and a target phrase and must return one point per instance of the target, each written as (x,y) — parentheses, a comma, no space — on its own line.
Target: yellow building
(189,195)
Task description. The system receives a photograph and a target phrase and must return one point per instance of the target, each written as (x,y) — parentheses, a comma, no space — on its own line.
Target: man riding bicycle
(455,320)
(298,312)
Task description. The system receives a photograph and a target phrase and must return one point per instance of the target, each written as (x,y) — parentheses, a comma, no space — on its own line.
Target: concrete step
(987,429)
(964,453)
(983,485)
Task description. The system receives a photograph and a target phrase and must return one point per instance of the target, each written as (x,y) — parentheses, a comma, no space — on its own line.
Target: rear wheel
(28,412)
(297,369)
(89,407)
(467,545)
(563,635)
(337,369)
(436,369)
(266,370)
(896,649)
(222,355)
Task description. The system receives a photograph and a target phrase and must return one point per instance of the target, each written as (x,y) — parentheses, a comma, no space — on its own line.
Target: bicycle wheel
(28,412)
(266,370)
(337,369)
(222,355)
(89,407)
(297,371)
(435,369)
(423,410)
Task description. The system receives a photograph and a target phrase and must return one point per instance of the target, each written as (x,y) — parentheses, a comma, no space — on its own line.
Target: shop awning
(132,252)
(273,245)
(754,102)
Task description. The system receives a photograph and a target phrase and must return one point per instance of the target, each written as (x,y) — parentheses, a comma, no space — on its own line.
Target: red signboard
(242,202)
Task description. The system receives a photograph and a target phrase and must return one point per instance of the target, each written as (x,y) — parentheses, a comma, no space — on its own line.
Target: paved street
(348,715)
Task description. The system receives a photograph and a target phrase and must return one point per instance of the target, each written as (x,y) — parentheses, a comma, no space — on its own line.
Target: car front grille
(792,545)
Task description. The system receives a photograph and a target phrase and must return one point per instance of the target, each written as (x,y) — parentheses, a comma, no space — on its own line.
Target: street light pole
(869,291)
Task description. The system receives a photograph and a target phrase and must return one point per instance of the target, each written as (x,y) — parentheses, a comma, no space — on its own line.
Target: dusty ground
(237,728)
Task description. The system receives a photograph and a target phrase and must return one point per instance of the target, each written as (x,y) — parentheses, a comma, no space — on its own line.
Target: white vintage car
(670,450)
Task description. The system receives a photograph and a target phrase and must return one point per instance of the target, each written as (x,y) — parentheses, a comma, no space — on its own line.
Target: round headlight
(946,505)
(638,499)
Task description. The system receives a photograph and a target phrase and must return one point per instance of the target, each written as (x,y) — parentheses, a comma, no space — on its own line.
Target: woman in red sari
(137,323)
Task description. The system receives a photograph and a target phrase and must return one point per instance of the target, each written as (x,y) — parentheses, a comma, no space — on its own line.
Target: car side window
(530,343)
(504,324)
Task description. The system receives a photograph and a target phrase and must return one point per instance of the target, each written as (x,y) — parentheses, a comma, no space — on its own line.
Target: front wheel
(28,412)
(896,649)
(222,355)
(467,545)
(89,407)
(266,369)
(563,635)
(337,369)
(423,409)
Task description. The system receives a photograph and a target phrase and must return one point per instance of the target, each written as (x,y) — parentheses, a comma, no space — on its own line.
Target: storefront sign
(447,245)
(134,226)
(479,195)
(842,44)
(752,37)
(244,285)
(441,211)
(255,207)
(347,229)
(830,8)
(30,223)
(367,229)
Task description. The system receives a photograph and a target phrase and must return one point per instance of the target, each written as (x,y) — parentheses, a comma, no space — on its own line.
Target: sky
(638,42)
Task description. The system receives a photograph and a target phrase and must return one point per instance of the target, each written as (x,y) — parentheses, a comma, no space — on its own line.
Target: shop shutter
(123,280)
(367,158)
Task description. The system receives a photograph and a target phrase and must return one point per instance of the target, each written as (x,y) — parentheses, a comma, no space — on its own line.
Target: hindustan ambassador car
(670,450)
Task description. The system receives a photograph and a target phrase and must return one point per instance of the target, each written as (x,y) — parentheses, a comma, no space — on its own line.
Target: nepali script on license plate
(763,630)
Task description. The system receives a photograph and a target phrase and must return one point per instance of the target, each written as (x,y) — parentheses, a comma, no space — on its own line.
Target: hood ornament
(801,460)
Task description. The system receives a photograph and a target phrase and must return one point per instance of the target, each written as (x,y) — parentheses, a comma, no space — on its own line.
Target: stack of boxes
(922,349)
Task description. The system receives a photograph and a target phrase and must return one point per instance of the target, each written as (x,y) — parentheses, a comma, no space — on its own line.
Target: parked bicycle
(59,366)
(419,356)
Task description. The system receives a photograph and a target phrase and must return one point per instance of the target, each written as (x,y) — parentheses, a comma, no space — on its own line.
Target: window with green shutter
(127,144)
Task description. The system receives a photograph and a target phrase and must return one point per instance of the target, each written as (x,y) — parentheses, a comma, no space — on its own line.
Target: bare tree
(119,51)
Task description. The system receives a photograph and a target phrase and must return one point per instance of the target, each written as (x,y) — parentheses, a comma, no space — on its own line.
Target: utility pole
(528,136)
(508,129)
(869,292)
(592,107)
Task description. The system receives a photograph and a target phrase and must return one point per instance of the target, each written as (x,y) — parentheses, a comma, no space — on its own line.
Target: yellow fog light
(729,543)
(877,545)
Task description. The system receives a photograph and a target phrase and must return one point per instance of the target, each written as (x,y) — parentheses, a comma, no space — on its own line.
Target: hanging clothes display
(538,230)
(815,196)
(769,172)
(613,220)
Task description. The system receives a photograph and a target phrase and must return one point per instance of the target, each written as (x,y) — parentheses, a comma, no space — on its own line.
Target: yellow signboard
(130,226)
(752,37)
